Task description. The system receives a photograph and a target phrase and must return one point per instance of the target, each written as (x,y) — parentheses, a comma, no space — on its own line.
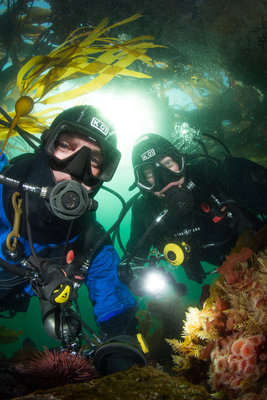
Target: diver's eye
(63,145)
(148,174)
(169,163)
(96,162)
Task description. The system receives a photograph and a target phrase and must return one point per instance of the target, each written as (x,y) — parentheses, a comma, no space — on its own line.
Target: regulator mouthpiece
(69,200)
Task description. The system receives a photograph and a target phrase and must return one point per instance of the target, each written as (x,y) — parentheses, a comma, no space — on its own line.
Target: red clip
(70,256)
(205,207)
(217,219)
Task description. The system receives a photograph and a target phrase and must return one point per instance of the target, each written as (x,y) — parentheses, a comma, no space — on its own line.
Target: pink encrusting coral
(236,359)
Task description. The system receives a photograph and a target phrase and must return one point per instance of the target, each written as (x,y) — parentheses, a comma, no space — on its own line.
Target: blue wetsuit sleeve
(3,161)
(109,295)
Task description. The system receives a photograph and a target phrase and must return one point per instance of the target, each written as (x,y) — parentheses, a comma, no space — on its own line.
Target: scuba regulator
(68,200)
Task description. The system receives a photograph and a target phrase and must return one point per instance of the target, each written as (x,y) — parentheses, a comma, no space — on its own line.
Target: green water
(234,112)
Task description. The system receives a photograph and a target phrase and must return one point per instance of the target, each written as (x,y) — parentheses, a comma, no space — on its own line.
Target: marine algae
(8,335)
(86,52)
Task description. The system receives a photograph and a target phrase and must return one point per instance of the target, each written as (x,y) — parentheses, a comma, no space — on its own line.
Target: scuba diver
(192,209)
(51,242)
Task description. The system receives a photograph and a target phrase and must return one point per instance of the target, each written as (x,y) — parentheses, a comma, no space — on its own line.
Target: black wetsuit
(227,196)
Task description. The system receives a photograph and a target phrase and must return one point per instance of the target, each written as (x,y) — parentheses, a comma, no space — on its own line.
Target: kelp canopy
(86,52)
(214,53)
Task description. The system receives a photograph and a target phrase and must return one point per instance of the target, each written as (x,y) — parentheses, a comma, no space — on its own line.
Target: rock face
(145,383)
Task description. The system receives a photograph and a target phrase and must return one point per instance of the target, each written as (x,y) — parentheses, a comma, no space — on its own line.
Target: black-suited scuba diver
(51,243)
(191,208)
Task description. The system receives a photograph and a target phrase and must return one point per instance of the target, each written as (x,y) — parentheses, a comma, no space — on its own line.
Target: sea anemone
(247,350)
(236,346)
(50,369)
(221,364)
(238,363)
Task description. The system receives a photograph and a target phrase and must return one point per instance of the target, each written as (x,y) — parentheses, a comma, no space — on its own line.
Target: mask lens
(154,176)
(146,176)
(69,131)
(174,163)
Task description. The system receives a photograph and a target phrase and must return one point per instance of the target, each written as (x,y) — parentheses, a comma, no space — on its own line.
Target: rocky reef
(146,383)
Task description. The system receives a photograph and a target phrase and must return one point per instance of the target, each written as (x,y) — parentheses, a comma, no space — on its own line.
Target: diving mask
(153,177)
(79,163)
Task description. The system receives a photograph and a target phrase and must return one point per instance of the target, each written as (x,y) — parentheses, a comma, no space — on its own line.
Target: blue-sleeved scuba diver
(50,241)
(192,209)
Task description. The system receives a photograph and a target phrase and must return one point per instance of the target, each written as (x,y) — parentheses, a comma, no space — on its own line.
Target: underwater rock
(10,386)
(146,383)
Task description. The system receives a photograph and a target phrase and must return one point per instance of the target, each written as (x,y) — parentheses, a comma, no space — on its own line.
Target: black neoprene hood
(88,122)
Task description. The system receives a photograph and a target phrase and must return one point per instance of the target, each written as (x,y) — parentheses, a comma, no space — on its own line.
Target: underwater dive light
(154,282)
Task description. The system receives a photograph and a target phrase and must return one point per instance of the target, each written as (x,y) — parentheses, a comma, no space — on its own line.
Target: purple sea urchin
(50,369)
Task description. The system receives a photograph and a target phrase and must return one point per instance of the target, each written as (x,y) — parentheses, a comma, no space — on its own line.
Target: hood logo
(103,128)
(148,154)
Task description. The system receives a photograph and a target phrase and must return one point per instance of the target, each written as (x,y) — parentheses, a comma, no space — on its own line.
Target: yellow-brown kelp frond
(86,52)
(34,123)
(23,107)
(77,57)
(8,335)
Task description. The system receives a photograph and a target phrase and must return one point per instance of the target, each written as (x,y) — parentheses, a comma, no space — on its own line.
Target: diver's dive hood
(86,121)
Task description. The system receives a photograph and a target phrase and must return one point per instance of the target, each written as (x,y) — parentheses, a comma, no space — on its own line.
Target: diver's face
(172,165)
(67,145)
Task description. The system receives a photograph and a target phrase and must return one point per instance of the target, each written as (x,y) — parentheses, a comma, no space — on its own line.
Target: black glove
(194,270)
(119,354)
(121,324)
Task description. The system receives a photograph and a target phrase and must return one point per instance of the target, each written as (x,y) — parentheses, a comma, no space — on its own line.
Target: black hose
(220,142)
(116,233)
(100,242)
(146,234)
(13,268)
(115,194)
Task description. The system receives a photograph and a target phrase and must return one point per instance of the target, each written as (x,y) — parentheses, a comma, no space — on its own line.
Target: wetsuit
(226,198)
(111,298)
